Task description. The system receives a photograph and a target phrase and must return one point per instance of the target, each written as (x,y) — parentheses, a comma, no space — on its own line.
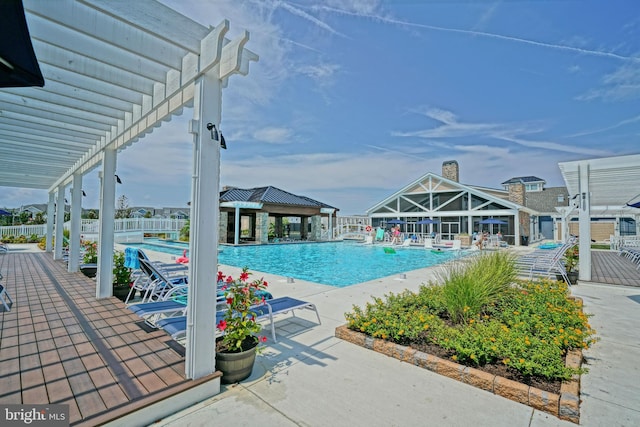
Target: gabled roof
(451,185)
(270,195)
(523,179)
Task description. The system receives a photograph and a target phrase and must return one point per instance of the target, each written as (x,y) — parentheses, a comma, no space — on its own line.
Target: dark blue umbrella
(428,221)
(493,221)
(634,205)
(4,213)
(396,221)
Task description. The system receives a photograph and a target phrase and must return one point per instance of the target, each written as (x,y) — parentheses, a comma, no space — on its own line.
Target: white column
(57,252)
(584,217)
(76,213)
(236,227)
(50,221)
(104,278)
(516,228)
(203,246)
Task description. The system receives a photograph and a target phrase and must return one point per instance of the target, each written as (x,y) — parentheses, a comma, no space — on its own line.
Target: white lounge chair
(177,326)
(5,300)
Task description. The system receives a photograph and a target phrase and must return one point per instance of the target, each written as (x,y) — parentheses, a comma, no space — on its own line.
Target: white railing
(618,242)
(23,230)
(89,226)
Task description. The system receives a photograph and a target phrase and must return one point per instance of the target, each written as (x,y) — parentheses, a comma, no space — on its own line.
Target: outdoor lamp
(214,135)
(84,194)
(118,180)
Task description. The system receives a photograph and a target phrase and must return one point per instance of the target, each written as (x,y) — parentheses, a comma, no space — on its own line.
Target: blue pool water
(334,263)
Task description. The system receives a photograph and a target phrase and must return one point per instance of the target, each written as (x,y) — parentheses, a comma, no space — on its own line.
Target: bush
(528,326)
(469,288)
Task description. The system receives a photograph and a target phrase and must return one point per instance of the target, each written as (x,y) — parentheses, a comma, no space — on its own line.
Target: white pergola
(114,71)
(600,185)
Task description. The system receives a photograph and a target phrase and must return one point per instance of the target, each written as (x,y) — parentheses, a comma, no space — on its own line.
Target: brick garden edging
(565,406)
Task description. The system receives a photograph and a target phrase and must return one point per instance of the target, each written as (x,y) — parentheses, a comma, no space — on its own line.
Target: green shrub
(470,287)
(528,326)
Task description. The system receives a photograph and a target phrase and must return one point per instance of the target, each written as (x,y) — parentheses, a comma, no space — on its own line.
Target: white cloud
(624,83)
(274,135)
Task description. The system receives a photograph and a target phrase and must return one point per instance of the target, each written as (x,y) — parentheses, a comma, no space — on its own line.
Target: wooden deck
(59,344)
(609,268)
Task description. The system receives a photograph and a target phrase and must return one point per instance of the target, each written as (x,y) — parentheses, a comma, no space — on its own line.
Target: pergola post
(50,220)
(584,216)
(104,277)
(76,213)
(216,63)
(57,252)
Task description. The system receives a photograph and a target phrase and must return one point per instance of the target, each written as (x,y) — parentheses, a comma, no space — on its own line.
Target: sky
(352,100)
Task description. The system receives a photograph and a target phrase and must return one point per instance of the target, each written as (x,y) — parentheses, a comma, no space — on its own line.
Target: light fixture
(214,135)
(118,180)
(84,194)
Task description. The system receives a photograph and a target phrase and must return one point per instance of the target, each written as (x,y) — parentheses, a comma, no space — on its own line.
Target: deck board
(59,344)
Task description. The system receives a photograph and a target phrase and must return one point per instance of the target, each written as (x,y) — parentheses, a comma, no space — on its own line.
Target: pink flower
(244,276)
(263,339)
(222,325)
(220,276)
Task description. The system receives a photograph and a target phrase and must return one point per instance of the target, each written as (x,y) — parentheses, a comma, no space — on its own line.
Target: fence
(91,226)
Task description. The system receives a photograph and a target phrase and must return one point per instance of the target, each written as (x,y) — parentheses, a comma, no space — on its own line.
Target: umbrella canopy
(4,213)
(493,221)
(428,221)
(396,221)
(634,205)
(18,63)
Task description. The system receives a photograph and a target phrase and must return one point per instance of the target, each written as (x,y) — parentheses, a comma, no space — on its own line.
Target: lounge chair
(177,326)
(544,263)
(4,248)
(156,283)
(5,300)
(173,303)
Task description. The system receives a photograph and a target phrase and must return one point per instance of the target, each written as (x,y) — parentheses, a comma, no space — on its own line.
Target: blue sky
(354,99)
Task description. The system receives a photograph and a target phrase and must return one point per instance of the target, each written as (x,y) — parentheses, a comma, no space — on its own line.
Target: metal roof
(613,181)
(523,179)
(114,70)
(269,194)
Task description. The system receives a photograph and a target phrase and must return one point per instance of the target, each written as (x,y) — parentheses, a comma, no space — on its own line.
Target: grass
(481,316)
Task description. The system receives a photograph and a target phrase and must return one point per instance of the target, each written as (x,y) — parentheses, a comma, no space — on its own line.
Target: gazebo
(261,212)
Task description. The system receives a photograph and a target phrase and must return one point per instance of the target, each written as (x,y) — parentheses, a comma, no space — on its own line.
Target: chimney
(450,170)
(516,193)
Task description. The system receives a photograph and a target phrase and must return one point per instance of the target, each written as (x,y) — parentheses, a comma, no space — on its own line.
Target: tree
(39,218)
(122,207)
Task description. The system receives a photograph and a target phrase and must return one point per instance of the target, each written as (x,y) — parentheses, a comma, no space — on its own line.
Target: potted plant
(236,349)
(571,259)
(121,276)
(89,265)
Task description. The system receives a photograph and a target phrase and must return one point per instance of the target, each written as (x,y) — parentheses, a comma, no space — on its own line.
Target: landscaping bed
(479,324)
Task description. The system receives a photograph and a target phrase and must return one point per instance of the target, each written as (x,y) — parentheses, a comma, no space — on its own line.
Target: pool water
(333,263)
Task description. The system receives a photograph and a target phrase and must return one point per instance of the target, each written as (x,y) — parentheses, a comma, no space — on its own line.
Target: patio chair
(156,284)
(177,326)
(172,304)
(4,248)
(5,300)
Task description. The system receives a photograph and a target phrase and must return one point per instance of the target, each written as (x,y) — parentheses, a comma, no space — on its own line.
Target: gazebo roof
(271,195)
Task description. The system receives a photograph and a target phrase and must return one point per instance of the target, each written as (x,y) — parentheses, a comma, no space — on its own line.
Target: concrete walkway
(311,378)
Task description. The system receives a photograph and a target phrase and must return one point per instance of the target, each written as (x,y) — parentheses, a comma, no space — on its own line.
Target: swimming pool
(333,263)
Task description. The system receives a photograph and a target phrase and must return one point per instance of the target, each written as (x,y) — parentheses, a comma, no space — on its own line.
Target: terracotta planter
(236,367)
